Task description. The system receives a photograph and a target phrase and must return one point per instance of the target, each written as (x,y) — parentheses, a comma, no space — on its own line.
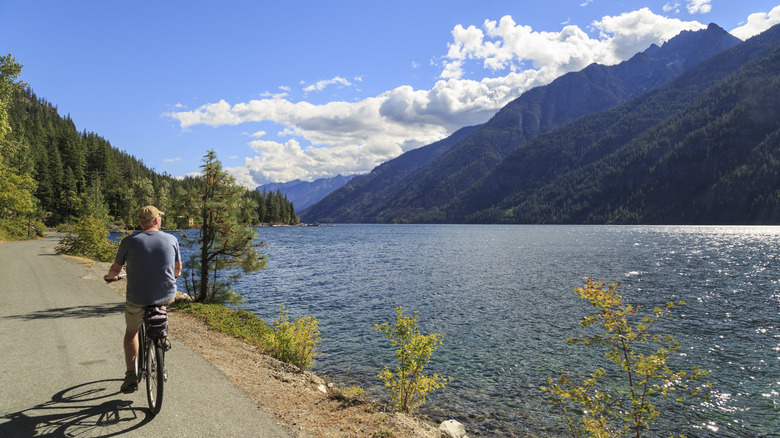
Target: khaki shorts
(134,314)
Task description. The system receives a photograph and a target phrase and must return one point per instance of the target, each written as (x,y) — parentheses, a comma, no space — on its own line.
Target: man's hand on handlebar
(114,278)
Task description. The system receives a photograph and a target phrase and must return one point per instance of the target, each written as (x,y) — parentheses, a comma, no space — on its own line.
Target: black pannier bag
(156,322)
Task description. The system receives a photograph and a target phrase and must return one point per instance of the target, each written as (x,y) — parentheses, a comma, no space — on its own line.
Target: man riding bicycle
(153,265)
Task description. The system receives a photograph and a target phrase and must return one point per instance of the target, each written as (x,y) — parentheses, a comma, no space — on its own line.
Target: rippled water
(503,296)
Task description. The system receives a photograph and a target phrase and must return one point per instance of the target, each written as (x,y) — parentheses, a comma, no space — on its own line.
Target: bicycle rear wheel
(155,376)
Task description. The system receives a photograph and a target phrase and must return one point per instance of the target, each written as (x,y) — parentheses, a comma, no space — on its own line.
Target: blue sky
(312,89)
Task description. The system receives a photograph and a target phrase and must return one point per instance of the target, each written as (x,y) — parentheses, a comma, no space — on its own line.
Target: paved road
(61,362)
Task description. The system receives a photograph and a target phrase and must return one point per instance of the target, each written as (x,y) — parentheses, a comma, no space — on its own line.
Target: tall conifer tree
(223,242)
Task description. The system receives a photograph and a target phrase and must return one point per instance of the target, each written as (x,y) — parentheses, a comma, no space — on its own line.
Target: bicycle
(150,359)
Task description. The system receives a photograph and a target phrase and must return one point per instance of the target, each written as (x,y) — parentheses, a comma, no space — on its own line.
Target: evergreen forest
(52,174)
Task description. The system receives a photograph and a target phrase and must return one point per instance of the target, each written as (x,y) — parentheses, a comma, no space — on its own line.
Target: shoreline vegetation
(366,417)
(307,404)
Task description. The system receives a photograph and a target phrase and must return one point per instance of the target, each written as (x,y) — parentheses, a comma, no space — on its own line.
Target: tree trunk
(206,238)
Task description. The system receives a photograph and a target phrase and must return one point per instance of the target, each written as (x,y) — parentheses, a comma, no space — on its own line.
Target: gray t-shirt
(150,258)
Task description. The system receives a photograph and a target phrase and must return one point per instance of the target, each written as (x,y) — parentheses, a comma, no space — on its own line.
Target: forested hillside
(704,149)
(700,148)
(427,189)
(73,169)
(74,174)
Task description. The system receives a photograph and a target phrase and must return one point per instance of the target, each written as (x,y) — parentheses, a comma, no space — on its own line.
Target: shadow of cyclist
(89,409)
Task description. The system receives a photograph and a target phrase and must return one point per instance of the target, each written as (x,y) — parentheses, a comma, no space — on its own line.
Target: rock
(452,429)
(180,296)
(313,378)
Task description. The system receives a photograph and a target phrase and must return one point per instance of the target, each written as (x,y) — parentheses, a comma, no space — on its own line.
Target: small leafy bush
(19,229)
(89,240)
(408,385)
(605,405)
(294,342)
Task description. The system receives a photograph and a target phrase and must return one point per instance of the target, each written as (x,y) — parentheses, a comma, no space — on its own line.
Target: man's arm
(113,271)
(177,269)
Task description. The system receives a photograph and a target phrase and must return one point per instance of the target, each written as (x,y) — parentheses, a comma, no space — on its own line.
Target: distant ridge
(302,193)
(432,189)
(382,181)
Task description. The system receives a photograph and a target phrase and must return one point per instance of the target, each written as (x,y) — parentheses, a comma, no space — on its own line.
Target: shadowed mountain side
(702,149)
(423,192)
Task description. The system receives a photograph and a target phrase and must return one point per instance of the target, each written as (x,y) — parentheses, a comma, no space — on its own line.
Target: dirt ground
(304,403)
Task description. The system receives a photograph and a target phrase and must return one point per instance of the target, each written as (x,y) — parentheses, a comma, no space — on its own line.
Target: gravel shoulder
(301,402)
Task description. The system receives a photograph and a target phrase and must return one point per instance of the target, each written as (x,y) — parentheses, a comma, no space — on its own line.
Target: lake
(503,297)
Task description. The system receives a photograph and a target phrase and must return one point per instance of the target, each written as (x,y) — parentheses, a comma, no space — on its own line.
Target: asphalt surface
(61,362)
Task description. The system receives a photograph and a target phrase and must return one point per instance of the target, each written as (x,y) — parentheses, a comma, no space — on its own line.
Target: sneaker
(130,384)
(166,344)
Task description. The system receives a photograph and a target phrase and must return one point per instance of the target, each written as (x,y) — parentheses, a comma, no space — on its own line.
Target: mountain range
(681,133)
(304,193)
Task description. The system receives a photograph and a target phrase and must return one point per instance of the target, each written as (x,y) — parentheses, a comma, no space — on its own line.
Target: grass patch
(292,342)
(237,323)
(350,395)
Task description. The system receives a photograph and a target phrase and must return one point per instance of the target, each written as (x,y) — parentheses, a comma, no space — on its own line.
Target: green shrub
(240,324)
(294,342)
(19,228)
(40,228)
(408,385)
(291,342)
(602,407)
(89,240)
(10,229)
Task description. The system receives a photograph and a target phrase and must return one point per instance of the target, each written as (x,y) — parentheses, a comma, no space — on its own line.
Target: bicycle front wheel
(155,376)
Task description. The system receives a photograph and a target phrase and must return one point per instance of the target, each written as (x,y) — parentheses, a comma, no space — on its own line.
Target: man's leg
(133,319)
(130,383)
(131,348)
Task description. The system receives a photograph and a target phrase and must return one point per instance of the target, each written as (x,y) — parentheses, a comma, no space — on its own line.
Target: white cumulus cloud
(506,45)
(672,6)
(699,6)
(321,85)
(757,23)
(354,137)
(632,32)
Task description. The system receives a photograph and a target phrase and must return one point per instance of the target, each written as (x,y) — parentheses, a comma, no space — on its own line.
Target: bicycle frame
(150,366)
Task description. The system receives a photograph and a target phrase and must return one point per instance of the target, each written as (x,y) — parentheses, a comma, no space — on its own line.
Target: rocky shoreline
(302,402)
